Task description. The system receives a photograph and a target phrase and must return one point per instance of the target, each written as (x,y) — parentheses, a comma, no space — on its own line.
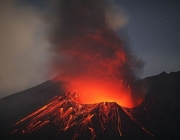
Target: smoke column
(91,59)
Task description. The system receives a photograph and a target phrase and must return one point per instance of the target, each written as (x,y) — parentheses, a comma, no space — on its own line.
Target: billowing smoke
(24,51)
(91,57)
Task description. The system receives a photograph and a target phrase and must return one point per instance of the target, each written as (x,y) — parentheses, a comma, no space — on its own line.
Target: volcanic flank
(64,118)
(67,119)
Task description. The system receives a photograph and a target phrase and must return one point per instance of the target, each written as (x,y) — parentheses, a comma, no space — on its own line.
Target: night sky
(152,32)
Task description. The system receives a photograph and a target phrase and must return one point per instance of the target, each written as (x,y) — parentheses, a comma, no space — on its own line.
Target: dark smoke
(83,38)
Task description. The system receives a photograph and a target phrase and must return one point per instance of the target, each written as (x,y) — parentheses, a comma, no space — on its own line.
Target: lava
(66,114)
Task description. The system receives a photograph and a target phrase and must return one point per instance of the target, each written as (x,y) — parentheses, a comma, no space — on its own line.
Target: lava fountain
(103,76)
(92,60)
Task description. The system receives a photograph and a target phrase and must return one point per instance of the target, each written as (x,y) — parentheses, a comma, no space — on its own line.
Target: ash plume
(88,49)
(23,47)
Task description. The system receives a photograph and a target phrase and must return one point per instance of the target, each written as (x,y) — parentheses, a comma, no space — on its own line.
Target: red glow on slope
(65,113)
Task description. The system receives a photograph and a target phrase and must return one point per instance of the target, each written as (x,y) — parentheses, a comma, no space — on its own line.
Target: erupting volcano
(97,72)
(93,91)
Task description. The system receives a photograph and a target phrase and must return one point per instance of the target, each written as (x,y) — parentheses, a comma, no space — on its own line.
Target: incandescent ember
(88,121)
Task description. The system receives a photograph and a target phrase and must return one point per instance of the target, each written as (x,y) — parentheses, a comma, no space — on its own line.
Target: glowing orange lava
(94,93)
(65,113)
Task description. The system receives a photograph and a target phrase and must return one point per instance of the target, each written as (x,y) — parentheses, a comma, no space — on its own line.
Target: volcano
(157,117)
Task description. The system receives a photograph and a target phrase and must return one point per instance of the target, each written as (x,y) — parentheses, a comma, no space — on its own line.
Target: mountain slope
(159,113)
(17,106)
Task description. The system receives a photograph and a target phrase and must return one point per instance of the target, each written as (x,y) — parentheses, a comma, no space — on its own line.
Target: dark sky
(152,32)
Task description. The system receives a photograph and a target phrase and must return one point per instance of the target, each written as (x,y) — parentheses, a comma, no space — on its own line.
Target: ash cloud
(24,51)
(81,26)
(85,40)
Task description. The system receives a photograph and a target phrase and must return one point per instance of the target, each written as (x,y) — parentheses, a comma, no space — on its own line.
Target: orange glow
(92,92)
(96,69)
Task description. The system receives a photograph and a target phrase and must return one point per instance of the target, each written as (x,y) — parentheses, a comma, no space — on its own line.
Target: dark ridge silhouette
(160,112)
